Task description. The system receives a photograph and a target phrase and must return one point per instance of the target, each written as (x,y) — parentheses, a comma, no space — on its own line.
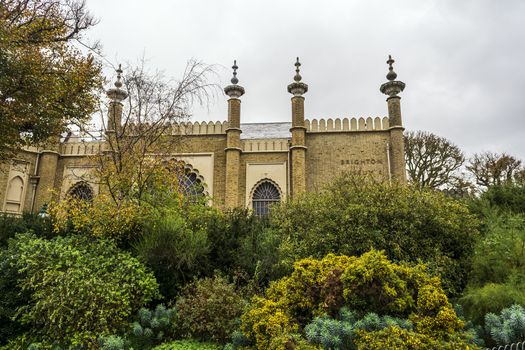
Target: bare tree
(138,145)
(491,169)
(432,161)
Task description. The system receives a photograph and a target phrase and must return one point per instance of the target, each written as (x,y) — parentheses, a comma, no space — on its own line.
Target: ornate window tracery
(81,190)
(264,195)
(191,184)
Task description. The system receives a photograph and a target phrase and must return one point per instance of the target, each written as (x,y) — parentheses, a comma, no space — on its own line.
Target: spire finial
(392,87)
(117,94)
(297,88)
(391,74)
(297,75)
(234,90)
(234,67)
(118,83)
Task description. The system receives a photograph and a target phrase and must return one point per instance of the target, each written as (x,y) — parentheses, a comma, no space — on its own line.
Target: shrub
(79,289)
(398,338)
(352,215)
(369,282)
(174,251)
(492,297)
(188,345)
(208,308)
(508,327)
(101,217)
(340,333)
(240,241)
(10,225)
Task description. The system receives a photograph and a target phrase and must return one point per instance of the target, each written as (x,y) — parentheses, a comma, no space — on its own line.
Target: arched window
(191,184)
(81,190)
(264,195)
(15,190)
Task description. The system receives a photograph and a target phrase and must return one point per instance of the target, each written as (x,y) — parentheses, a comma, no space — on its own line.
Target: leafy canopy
(46,82)
(78,289)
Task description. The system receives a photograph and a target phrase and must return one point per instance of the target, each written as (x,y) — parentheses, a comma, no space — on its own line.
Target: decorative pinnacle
(234,90)
(392,87)
(297,88)
(297,75)
(117,94)
(391,74)
(234,67)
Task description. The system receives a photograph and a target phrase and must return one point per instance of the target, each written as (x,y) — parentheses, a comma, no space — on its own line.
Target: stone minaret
(116,95)
(396,148)
(298,130)
(233,140)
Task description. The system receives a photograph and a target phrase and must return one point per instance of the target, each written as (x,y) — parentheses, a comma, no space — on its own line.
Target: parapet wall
(81,148)
(265,145)
(346,124)
(202,128)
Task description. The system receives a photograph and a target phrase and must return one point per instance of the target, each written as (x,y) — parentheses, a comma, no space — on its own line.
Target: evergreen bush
(207,310)
(507,327)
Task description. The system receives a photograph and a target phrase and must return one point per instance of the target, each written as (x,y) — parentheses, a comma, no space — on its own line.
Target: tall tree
(46,82)
(432,161)
(491,169)
(153,118)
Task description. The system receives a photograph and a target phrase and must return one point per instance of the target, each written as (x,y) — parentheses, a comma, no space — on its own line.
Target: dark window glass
(81,191)
(264,196)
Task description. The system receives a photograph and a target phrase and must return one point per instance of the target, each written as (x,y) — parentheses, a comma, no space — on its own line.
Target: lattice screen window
(264,196)
(81,190)
(191,185)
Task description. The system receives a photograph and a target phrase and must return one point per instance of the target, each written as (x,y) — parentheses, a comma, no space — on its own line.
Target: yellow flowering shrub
(101,217)
(403,339)
(267,323)
(369,283)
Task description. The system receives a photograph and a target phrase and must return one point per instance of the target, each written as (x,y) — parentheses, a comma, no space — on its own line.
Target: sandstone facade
(233,159)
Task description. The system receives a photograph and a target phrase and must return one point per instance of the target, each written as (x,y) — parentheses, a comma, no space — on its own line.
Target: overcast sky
(463,62)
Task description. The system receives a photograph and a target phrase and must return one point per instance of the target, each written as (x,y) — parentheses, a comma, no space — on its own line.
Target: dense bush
(339,334)
(506,197)
(352,216)
(508,327)
(174,250)
(78,289)
(152,327)
(498,279)
(188,345)
(208,308)
(10,225)
(241,241)
(366,283)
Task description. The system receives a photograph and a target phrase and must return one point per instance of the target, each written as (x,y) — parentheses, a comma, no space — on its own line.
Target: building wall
(330,154)
(333,147)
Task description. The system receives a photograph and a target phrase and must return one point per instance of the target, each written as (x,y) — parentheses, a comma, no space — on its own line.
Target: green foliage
(500,255)
(491,297)
(338,334)
(152,327)
(353,215)
(398,338)
(174,250)
(240,241)
(113,342)
(369,282)
(188,345)
(208,308)
(10,225)
(498,278)
(78,289)
(508,327)
(45,82)
(506,197)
